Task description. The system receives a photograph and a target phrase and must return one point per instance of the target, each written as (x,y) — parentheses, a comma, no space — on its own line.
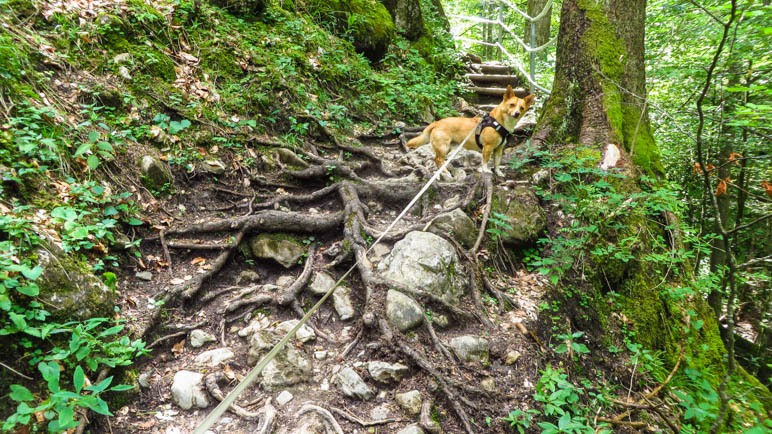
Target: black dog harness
(489,121)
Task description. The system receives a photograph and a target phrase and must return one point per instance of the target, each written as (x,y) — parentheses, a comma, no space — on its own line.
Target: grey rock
(321,283)
(470,348)
(284,397)
(341,298)
(457,225)
(155,174)
(488,384)
(352,385)
(188,390)
(512,357)
(410,401)
(215,167)
(288,368)
(411,429)
(341,301)
(281,248)
(144,275)
(380,412)
(304,333)
(214,357)
(386,372)
(524,215)
(260,342)
(247,276)
(402,311)
(67,290)
(426,261)
(199,338)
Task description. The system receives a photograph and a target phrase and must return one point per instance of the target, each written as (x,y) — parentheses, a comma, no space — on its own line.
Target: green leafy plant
(569,344)
(500,225)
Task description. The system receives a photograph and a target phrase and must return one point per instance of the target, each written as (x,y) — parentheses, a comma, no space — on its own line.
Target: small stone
(380,412)
(188,390)
(215,167)
(471,349)
(320,355)
(386,372)
(488,384)
(285,281)
(214,357)
(411,429)
(304,333)
(144,380)
(512,357)
(352,385)
(321,284)
(199,338)
(341,301)
(144,275)
(247,276)
(410,401)
(402,311)
(284,397)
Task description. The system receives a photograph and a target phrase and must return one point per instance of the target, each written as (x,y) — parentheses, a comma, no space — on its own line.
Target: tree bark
(542,34)
(599,95)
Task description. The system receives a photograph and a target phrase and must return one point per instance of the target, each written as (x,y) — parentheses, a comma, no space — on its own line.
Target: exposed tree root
(360,422)
(211,380)
(327,417)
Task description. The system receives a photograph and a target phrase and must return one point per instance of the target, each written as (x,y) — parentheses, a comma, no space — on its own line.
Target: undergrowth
(80,92)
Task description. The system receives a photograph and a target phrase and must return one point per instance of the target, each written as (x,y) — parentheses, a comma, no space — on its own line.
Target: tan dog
(491,138)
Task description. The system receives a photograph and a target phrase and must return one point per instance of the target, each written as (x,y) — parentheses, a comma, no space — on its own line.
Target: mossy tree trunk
(598,97)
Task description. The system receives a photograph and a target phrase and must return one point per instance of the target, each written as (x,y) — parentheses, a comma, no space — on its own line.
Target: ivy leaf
(32,273)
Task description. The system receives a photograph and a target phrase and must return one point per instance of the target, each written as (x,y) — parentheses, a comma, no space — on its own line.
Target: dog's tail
(422,138)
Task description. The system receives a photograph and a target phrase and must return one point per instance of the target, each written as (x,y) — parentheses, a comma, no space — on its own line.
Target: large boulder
(425,261)
(523,214)
(366,23)
(457,225)
(68,289)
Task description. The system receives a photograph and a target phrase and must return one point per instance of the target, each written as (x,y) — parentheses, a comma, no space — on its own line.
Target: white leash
(215,414)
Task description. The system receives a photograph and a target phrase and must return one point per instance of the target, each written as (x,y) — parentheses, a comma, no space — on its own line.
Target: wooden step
(497,91)
(492,68)
(499,79)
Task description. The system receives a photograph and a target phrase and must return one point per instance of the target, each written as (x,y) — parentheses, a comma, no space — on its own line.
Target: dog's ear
(529,99)
(509,93)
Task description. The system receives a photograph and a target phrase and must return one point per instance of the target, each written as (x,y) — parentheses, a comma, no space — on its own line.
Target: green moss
(367,23)
(629,128)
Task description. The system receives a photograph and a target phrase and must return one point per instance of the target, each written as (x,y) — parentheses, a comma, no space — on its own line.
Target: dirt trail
(337,199)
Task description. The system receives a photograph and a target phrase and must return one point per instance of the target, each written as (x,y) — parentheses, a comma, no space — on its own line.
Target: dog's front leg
(486,156)
(497,155)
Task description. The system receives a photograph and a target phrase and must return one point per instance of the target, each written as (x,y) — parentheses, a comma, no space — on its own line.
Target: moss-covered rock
(70,291)
(366,23)
(524,217)
(282,248)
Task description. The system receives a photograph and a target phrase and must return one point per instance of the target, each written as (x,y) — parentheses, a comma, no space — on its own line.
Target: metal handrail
(531,48)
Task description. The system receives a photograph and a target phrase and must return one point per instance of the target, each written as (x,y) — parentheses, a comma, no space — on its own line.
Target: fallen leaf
(178,348)
(198,261)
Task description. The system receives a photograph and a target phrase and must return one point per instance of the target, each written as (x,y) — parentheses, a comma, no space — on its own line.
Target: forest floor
(198,271)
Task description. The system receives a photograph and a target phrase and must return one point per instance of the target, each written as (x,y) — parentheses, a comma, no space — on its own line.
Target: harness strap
(489,121)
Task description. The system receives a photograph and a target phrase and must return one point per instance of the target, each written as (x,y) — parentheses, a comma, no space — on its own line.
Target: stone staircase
(489,82)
